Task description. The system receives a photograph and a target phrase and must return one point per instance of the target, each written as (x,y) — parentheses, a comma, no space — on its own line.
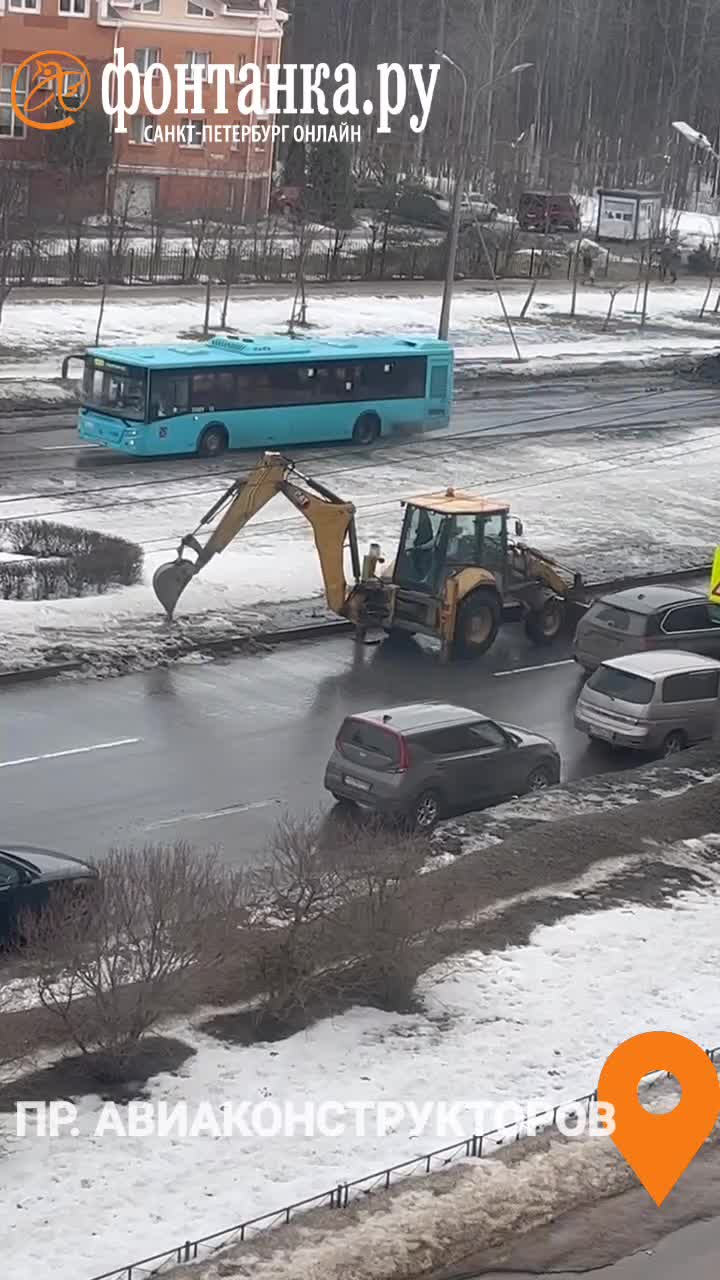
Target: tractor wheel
(477,624)
(543,626)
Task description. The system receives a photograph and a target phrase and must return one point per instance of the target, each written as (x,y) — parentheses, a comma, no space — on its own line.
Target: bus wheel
(213,441)
(366,429)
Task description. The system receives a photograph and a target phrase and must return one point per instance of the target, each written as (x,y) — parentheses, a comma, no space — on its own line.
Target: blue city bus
(238,393)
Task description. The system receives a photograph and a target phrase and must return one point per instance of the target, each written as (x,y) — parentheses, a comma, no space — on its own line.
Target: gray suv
(426,760)
(642,618)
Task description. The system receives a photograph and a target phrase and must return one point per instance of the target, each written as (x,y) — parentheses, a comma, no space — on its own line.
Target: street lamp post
(466,130)
(458,193)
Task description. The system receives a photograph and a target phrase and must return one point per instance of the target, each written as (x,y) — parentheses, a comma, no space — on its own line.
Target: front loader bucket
(169,582)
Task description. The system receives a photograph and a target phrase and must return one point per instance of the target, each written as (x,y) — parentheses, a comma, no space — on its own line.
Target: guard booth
(628,215)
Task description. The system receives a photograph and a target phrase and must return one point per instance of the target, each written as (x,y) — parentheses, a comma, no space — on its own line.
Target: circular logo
(52,83)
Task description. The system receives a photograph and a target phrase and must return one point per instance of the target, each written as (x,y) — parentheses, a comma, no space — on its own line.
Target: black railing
(475,1147)
(247,262)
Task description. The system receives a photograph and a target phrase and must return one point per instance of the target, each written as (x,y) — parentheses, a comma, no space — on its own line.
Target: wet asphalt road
(214,753)
(40,452)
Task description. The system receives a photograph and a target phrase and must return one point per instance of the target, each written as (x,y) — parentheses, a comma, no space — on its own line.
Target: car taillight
(404,758)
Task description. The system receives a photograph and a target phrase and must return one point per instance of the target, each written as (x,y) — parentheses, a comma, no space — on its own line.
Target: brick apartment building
(166,178)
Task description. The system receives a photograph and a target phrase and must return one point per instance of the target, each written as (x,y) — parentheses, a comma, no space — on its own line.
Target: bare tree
(613,292)
(12,200)
(155,921)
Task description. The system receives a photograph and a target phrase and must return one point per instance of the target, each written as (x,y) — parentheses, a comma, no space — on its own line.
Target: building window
(146,6)
(144,59)
(192,132)
(10,126)
(138,125)
(195,59)
(74,8)
(33,6)
(194,10)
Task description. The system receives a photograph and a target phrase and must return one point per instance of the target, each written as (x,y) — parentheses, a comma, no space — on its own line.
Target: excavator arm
(532,563)
(331,519)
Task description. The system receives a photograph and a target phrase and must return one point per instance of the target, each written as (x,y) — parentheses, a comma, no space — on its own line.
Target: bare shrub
(333,922)
(64,561)
(137,948)
(293,898)
(384,866)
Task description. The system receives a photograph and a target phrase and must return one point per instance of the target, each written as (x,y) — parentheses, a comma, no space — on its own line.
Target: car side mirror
(519,530)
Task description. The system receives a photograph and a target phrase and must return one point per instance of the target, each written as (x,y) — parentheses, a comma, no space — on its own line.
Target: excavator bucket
(169,582)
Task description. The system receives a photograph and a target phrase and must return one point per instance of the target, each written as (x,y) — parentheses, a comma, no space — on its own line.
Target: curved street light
(695,137)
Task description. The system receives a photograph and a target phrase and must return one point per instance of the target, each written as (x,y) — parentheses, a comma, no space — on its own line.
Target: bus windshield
(114,388)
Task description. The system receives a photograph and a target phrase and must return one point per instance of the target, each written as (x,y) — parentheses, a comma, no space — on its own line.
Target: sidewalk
(623,1238)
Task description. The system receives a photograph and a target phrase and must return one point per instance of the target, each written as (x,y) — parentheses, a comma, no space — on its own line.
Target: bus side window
(202,392)
(288,384)
(169,395)
(224,393)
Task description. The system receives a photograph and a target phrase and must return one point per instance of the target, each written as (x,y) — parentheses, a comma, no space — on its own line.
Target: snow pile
(478,1206)
(35,394)
(121,1197)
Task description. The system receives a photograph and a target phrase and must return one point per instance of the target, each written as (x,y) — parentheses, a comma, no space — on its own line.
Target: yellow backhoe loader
(456,575)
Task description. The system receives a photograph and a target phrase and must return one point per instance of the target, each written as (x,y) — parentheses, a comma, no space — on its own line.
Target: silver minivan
(656,702)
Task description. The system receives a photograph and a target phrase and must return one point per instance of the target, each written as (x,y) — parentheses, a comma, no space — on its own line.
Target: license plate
(606,734)
(356,782)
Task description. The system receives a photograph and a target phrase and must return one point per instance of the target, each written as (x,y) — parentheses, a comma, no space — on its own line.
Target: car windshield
(616,683)
(116,389)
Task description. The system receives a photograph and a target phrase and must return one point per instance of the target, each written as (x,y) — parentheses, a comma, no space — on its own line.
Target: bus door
(439,389)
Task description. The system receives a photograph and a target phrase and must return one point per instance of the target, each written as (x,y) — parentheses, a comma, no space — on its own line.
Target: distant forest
(608,78)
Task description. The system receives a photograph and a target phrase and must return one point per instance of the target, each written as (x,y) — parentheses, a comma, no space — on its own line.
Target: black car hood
(48,864)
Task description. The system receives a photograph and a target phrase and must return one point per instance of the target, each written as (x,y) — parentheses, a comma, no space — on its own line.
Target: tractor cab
(444,533)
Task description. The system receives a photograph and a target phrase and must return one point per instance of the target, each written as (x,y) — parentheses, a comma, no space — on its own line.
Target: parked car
(426,760)
(641,618)
(654,702)
(424,208)
(480,208)
(28,878)
(545,211)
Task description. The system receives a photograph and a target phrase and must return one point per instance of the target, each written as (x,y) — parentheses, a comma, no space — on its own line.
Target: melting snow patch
(498,1012)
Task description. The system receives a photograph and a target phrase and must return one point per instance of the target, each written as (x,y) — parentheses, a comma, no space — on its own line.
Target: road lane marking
(516,671)
(72,751)
(216,813)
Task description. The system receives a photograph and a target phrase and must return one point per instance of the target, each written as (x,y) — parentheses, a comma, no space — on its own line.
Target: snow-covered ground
(603,503)
(490,1033)
(37,334)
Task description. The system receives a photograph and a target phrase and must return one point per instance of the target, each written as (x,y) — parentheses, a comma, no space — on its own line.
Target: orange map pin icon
(660,1147)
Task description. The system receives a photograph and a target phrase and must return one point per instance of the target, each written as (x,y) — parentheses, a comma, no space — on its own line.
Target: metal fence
(249,262)
(243,263)
(476,1147)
